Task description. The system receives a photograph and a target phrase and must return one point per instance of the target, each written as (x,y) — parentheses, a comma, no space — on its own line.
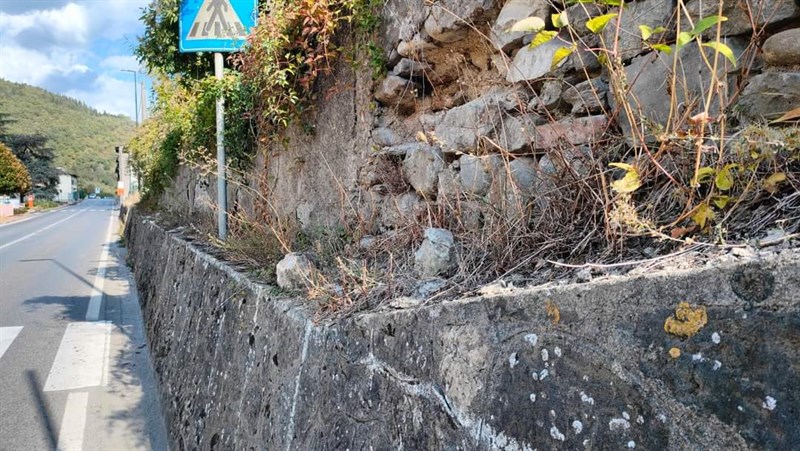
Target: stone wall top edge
(784,265)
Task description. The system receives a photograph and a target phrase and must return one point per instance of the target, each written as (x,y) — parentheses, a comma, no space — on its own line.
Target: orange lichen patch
(674,353)
(552,312)
(687,320)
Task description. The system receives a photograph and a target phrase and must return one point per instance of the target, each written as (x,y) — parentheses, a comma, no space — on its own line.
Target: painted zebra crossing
(7,336)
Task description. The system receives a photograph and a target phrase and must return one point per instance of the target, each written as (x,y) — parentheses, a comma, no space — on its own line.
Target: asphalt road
(74,364)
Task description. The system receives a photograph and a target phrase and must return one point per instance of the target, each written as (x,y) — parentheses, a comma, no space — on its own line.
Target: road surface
(74,364)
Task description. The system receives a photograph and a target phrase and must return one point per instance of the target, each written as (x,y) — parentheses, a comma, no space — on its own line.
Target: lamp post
(135,95)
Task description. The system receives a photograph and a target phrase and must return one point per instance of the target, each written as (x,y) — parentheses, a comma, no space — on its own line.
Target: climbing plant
(709,172)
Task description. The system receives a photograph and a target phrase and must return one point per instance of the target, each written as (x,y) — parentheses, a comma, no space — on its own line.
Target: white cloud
(108,94)
(121,62)
(64,47)
(64,27)
(116,19)
(35,67)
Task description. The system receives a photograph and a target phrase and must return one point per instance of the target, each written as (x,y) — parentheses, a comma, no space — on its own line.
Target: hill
(83,138)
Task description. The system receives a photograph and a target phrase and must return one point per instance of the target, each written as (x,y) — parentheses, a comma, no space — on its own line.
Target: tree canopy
(14,177)
(34,153)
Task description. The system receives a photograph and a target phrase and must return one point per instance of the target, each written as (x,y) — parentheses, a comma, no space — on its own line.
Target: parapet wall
(585,366)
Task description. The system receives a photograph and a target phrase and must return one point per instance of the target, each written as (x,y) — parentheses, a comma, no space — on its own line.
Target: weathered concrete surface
(240,368)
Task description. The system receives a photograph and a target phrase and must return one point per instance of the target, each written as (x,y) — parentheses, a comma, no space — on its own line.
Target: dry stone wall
(586,366)
(464,99)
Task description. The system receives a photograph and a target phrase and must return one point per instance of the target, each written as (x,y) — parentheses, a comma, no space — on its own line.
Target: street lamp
(135,95)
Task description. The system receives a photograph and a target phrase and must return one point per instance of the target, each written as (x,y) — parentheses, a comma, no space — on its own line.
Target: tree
(5,119)
(158,47)
(14,177)
(33,152)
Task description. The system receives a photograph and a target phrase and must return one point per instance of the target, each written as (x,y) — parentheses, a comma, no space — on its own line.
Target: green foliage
(82,139)
(45,203)
(272,86)
(293,46)
(37,157)
(183,127)
(158,47)
(14,177)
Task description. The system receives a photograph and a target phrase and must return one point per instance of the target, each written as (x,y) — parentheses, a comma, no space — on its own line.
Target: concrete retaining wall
(240,368)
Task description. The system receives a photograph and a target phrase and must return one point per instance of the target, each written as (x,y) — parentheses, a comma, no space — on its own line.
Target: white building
(67,187)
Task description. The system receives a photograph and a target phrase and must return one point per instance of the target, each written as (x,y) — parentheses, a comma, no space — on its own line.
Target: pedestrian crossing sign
(215,25)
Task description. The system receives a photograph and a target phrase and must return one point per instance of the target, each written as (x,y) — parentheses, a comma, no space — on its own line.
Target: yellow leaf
(662,48)
(421,137)
(646,32)
(788,116)
(596,25)
(706,23)
(530,24)
(542,37)
(703,214)
(683,39)
(630,182)
(771,182)
(704,174)
(721,201)
(560,55)
(627,184)
(722,48)
(674,353)
(624,166)
(724,179)
(560,20)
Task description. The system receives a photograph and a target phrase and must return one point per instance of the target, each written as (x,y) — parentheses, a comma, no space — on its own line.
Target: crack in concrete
(303,355)
(478,429)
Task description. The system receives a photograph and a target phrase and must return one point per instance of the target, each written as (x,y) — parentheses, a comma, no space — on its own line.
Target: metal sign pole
(222,189)
(217,26)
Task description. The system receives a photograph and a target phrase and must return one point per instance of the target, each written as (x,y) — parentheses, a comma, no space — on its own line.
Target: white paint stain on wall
(556,434)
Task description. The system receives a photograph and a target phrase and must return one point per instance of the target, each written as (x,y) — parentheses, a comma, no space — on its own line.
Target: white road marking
(82,357)
(38,231)
(70,435)
(7,336)
(96,300)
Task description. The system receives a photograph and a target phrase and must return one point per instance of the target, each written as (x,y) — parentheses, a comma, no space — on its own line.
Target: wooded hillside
(83,138)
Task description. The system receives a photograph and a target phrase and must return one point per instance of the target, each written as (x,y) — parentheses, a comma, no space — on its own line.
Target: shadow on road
(128,366)
(35,388)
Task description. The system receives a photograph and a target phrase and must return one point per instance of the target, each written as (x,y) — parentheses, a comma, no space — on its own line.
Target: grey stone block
(422,166)
(436,254)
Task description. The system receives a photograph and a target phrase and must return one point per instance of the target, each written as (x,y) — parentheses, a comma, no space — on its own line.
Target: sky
(78,48)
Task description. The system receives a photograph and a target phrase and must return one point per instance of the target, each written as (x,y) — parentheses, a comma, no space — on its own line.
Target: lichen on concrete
(686,321)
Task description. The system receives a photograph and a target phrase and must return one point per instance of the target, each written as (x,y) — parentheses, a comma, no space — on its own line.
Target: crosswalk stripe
(70,435)
(7,336)
(82,357)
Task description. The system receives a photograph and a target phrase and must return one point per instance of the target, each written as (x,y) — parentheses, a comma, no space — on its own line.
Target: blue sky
(78,48)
